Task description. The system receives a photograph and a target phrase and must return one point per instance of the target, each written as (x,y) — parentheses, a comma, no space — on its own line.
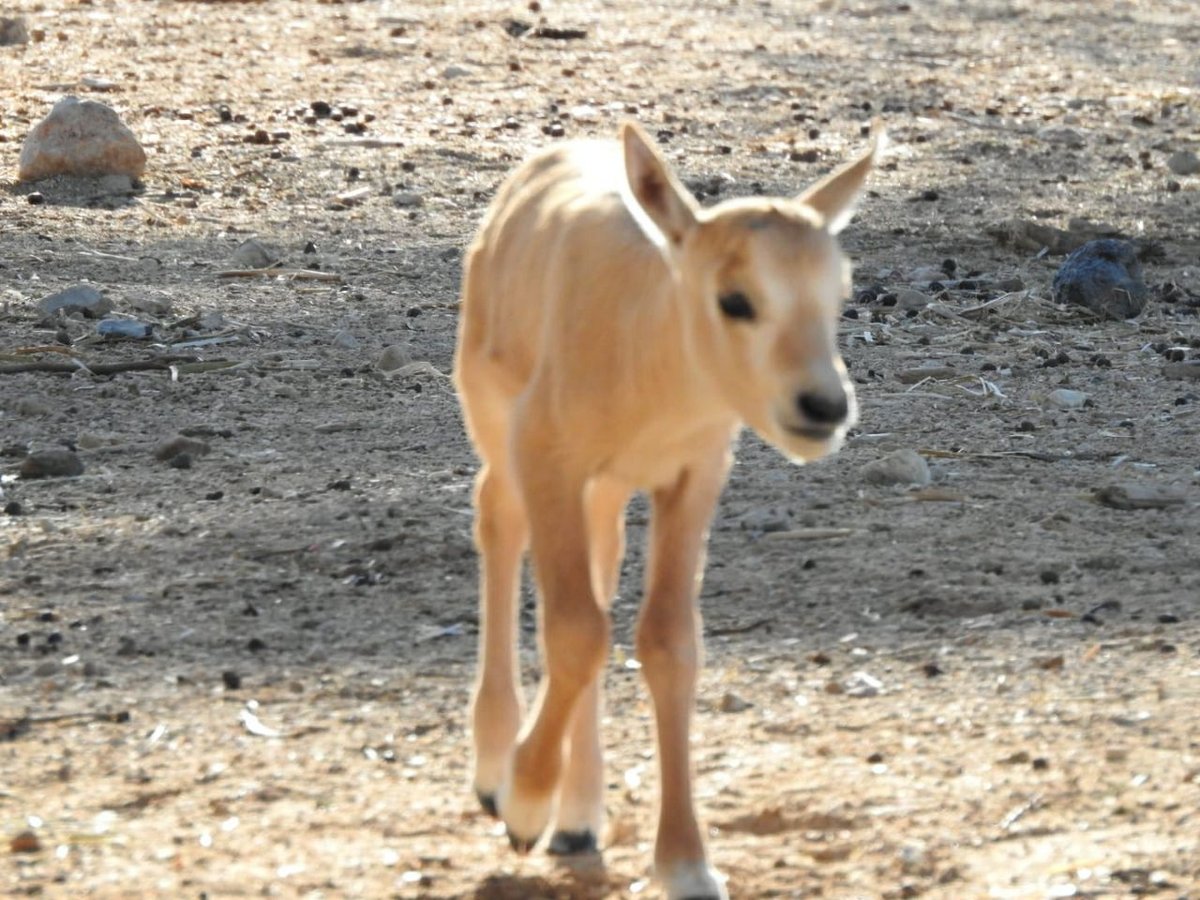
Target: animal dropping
(614,338)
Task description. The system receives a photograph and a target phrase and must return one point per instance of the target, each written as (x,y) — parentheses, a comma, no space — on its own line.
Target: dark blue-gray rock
(1185,162)
(82,298)
(1106,277)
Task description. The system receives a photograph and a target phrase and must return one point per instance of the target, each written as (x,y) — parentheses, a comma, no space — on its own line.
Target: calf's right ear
(836,195)
(664,200)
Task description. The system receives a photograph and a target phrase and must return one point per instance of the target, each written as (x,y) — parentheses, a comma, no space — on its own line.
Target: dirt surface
(247,676)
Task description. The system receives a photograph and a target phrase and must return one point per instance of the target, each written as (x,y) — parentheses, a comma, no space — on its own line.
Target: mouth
(812,432)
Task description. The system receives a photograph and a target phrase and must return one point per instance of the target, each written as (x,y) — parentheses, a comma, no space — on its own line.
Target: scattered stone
(159,307)
(25,842)
(232,680)
(733,703)
(1140,496)
(898,467)
(408,199)
(13,508)
(584,112)
(177,445)
(453,71)
(345,340)
(124,328)
(82,298)
(392,358)
(1065,398)
(1185,162)
(907,298)
(13,31)
(252,254)
(90,440)
(862,684)
(1106,277)
(51,464)
(1061,134)
(32,408)
(180,461)
(80,138)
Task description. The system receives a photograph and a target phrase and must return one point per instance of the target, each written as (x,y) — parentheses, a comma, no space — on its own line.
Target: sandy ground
(248,677)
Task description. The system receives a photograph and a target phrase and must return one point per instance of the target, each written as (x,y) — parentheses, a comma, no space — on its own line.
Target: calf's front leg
(669,649)
(574,635)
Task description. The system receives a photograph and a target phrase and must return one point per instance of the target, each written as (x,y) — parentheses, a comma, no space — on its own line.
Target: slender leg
(579,823)
(668,646)
(501,534)
(574,631)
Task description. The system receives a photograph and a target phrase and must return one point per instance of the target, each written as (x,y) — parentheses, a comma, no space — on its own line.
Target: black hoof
(572,843)
(488,802)
(521,845)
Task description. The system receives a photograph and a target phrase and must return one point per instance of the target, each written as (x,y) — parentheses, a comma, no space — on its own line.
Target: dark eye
(737,306)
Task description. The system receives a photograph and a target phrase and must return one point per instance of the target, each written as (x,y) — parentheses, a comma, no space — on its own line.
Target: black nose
(824,409)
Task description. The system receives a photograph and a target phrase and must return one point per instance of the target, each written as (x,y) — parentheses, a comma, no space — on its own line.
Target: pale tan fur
(594,360)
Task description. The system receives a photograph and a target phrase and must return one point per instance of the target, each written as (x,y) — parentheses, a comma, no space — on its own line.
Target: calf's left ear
(836,195)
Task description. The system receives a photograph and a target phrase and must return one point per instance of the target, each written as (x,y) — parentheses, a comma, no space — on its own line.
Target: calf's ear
(655,189)
(836,195)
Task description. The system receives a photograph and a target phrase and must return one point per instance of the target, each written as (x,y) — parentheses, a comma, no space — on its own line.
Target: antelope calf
(615,337)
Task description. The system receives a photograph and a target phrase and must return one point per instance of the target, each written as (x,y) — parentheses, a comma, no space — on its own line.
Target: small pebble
(1065,398)
(25,842)
(733,703)
(177,445)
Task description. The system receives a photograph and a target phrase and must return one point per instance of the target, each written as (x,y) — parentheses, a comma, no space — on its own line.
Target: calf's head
(762,282)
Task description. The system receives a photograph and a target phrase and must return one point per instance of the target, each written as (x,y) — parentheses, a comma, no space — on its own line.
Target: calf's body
(614,338)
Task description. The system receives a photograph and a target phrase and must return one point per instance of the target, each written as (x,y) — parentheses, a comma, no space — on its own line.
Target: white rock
(1064,398)
(862,684)
(82,138)
(898,467)
(584,112)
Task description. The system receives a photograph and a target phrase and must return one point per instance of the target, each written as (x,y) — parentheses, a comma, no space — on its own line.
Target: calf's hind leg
(580,817)
(501,534)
